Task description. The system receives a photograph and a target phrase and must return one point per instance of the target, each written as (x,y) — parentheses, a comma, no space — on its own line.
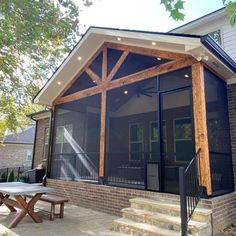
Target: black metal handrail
(190,190)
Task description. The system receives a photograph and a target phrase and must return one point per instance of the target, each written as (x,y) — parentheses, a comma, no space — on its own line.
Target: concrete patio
(77,221)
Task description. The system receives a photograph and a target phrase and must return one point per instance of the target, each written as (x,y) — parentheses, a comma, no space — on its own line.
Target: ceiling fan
(145,91)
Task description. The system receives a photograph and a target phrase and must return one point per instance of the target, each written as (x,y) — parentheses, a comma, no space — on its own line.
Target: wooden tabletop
(18,188)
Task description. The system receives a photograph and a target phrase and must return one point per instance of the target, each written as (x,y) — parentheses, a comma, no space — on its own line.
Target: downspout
(48,166)
(35,135)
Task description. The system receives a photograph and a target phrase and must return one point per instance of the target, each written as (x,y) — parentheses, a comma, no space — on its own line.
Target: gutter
(217,50)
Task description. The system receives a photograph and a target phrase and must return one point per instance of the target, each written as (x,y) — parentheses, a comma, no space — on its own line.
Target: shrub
(11,177)
(3,177)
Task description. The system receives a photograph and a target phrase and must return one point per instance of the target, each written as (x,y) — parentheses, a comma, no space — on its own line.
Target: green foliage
(11,177)
(176,7)
(231,11)
(4,177)
(35,36)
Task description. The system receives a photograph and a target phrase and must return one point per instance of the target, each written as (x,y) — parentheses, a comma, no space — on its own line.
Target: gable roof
(206,18)
(94,38)
(24,137)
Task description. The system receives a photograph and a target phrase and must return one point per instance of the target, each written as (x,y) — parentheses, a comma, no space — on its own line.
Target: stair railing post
(183,202)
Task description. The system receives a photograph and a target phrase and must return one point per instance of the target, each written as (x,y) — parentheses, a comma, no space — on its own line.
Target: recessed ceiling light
(126,92)
(158,58)
(186,75)
(79,58)
(119,39)
(59,82)
(154,43)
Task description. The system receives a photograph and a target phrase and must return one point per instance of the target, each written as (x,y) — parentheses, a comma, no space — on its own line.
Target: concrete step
(130,227)
(165,221)
(111,233)
(200,214)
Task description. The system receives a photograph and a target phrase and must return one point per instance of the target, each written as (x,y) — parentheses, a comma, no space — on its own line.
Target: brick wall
(15,155)
(223,211)
(39,143)
(232,120)
(111,200)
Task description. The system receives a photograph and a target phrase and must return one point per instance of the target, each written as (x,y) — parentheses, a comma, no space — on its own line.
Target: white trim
(231,81)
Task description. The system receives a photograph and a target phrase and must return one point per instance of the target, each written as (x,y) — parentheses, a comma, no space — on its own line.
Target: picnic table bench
(53,200)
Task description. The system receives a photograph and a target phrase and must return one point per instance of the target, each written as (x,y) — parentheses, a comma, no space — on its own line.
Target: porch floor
(77,221)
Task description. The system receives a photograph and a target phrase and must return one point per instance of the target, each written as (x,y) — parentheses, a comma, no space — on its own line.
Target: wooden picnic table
(18,190)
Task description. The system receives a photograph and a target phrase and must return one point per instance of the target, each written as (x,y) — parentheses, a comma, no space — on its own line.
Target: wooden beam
(86,65)
(78,95)
(141,75)
(117,65)
(200,124)
(96,79)
(104,63)
(153,71)
(102,133)
(146,51)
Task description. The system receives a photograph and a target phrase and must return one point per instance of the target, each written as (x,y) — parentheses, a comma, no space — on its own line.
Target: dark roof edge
(189,23)
(146,32)
(217,50)
(37,113)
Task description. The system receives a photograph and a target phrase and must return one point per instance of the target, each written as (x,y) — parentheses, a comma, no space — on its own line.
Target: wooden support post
(200,124)
(102,134)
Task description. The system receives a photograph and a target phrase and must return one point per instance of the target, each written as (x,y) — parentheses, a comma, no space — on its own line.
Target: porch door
(177,136)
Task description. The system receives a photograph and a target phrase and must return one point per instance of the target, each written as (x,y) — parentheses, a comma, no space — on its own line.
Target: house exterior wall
(15,155)
(232,121)
(220,21)
(111,200)
(39,143)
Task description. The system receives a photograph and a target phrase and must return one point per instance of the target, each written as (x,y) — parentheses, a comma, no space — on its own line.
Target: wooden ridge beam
(200,124)
(104,63)
(146,51)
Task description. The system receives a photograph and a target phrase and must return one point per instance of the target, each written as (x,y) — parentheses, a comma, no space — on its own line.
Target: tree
(176,7)
(35,36)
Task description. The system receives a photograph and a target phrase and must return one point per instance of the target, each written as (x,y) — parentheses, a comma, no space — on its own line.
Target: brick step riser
(171,212)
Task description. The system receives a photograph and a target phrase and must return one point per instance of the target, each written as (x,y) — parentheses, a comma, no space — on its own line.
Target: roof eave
(217,50)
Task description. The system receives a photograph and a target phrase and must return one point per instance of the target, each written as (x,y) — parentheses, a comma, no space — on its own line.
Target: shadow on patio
(77,221)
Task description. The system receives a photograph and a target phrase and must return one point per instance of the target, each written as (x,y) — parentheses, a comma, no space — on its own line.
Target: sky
(146,15)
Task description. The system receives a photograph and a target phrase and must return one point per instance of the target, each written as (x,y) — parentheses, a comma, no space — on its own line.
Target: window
(154,138)
(183,139)
(29,154)
(61,134)
(216,35)
(46,143)
(136,141)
